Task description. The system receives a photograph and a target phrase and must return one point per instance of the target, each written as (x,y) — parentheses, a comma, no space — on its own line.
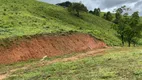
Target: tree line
(128,27)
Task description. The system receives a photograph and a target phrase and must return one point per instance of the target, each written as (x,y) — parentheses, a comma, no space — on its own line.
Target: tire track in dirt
(45,63)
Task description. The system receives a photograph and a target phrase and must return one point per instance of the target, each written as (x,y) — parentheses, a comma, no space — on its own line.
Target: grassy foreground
(117,64)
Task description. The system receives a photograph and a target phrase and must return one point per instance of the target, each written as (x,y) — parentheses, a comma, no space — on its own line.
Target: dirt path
(3,76)
(43,63)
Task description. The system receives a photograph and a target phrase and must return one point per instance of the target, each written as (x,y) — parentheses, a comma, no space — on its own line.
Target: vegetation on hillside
(30,17)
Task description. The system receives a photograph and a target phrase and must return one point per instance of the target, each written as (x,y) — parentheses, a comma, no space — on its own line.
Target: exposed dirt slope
(46,45)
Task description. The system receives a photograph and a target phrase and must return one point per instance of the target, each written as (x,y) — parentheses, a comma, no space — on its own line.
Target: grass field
(115,64)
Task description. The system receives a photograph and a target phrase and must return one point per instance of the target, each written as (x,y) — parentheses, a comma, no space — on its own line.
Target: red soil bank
(46,45)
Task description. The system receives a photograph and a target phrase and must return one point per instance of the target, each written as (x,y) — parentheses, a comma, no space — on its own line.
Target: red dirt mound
(46,45)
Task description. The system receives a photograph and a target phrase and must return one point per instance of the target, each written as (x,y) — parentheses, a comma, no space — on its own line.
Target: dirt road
(43,63)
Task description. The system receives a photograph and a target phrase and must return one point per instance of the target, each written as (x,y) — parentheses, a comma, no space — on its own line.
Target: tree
(97,11)
(122,23)
(65,4)
(108,16)
(118,17)
(123,11)
(135,19)
(127,27)
(119,10)
(78,7)
(104,15)
(121,29)
(138,36)
(134,31)
(91,12)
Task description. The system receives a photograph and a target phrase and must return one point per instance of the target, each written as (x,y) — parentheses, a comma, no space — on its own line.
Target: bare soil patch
(48,45)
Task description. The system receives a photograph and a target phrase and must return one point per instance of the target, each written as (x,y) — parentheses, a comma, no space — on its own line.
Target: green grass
(117,64)
(20,18)
(8,67)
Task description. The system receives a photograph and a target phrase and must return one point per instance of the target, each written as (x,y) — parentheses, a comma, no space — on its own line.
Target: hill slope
(31,17)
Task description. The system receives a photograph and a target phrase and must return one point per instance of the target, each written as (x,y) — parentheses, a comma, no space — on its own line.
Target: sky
(106,5)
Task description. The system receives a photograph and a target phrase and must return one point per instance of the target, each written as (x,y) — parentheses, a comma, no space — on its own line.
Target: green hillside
(31,17)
